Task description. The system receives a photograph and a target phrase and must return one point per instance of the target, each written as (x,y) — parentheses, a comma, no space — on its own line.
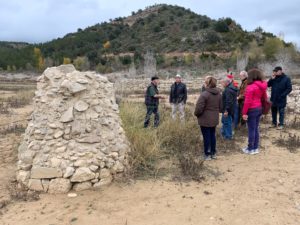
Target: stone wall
(74,139)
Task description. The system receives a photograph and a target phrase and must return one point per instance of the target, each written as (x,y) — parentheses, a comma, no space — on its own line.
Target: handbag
(266,105)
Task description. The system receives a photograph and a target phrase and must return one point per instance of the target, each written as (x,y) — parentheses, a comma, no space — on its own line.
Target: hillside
(163,29)
(160,28)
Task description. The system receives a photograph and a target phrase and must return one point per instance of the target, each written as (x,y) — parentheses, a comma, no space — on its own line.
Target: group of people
(240,105)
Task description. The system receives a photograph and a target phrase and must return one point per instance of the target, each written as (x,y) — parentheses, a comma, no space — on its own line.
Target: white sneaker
(246,150)
(254,152)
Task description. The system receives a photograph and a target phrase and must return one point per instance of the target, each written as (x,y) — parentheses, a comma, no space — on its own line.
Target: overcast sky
(37,21)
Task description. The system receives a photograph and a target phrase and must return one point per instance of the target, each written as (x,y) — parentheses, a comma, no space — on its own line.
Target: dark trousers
(150,110)
(275,110)
(253,128)
(209,140)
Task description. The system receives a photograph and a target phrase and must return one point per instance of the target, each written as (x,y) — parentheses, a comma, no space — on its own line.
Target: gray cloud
(44,20)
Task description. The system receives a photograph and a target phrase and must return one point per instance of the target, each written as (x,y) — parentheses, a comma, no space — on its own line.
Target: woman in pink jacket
(252,110)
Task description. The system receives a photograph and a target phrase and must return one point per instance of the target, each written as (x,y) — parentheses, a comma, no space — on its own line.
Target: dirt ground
(261,189)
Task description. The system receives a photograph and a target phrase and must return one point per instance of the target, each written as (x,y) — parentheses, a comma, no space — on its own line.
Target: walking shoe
(254,152)
(280,127)
(207,158)
(214,156)
(246,150)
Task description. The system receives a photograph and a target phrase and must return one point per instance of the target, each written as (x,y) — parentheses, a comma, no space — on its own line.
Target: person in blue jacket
(281,86)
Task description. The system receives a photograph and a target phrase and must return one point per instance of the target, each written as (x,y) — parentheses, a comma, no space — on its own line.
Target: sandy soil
(260,189)
(263,189)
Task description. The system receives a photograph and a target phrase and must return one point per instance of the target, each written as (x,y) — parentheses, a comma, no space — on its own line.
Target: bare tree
(150,64)
(241,62)
(132,70)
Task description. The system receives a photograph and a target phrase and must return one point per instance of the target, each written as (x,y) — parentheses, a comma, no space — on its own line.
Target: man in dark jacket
(281,86)
(178,97)
(229,101)
(152,101)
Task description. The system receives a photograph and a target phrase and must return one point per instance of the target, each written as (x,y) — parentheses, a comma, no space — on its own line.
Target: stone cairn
(74,139)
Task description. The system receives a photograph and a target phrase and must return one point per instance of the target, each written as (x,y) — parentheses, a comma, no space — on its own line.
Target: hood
(213,91)
(261,84)
(232,87)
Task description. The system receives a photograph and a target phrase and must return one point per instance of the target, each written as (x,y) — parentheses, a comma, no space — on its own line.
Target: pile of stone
(74,139)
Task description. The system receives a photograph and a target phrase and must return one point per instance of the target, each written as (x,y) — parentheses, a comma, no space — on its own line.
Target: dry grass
(172,140)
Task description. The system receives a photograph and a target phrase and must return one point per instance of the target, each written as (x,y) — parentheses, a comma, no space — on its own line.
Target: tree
(82,63)
(188,59)
(39,60)
(149,64)
(66,60)
(106,45)
(272,47)
(221,26)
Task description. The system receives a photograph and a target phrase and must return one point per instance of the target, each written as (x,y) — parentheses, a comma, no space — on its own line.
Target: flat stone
(104,173)
(81,106)
(82,174)
(93,168)
(61,149)
(92,138)
(67,116)
(35,185)
(45,172)
(82,186)
(76,88)
(58,134)
(59,185)
(103,182)
(82,81)
(81,163)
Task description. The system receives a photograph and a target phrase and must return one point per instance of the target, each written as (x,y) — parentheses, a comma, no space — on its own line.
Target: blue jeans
(253,128)
(209,140)
(281,110)
(150,110)
(226,129)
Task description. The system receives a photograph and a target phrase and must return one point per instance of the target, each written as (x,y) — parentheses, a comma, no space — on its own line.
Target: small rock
(35,185)
(82,186)
(104,173)
(58,134)
(103,182)
(69,172)
(67,116)
(81,106)
(59,185)
(82,174)
(72,195)
(93,168)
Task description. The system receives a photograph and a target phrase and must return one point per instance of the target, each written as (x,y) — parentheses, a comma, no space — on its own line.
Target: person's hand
(225,114)
(245,117)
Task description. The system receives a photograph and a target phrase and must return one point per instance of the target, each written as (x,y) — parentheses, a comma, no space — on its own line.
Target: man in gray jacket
(178,97)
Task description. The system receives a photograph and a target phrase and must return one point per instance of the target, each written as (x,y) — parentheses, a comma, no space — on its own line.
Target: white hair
(244,73)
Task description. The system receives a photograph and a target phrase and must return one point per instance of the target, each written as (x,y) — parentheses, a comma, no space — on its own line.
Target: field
(168,182)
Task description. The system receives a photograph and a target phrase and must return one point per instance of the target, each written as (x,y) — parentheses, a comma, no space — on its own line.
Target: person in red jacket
(252,110)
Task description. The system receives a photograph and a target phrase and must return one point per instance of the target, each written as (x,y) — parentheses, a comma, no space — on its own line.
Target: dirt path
(260,189)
